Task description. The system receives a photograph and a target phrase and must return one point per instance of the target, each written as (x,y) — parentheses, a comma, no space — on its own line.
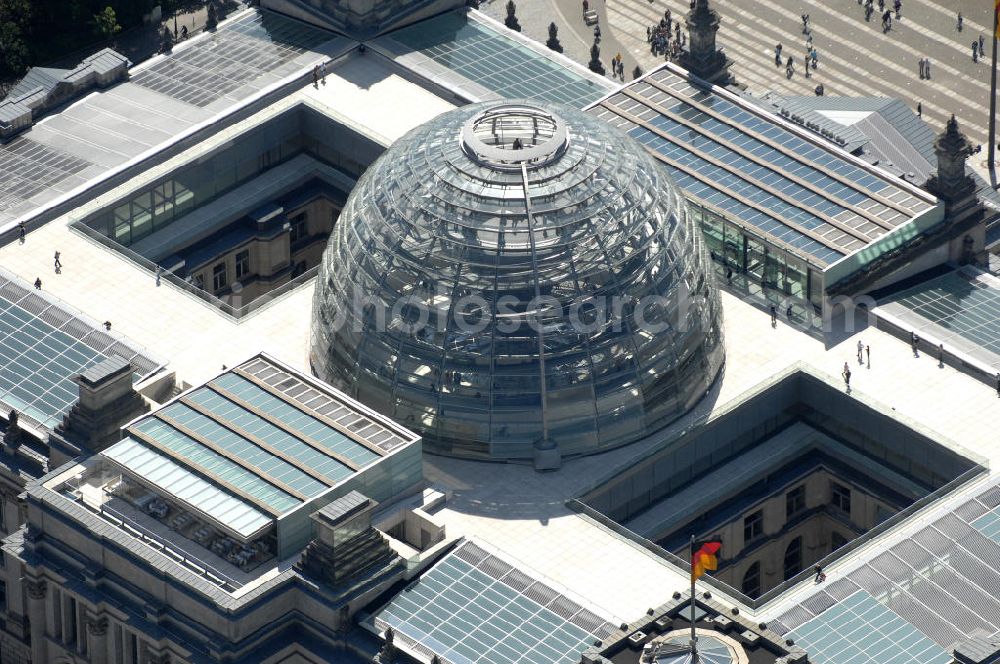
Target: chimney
(107,401)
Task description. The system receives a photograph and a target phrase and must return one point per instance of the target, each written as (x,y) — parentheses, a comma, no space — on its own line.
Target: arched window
(751,581)
(793,558)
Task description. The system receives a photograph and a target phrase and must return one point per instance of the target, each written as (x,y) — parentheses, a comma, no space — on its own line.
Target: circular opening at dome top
(505,137)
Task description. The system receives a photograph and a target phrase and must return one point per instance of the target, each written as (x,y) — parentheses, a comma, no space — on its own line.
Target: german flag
(706,556)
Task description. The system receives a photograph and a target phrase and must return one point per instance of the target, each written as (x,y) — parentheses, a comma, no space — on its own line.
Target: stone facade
(361,19)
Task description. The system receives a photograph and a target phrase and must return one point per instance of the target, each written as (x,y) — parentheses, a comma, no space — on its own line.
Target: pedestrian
(940,355)
(861,350)
(881,5)
(107,325)
(958,23)
(975,51)
(322,73)
(927,68)
(774,316)
(806,60)
(159,271)
(920,107)
(914,343)
(586,6)
(777,55)
(814,54)
(21,231)
(57,263)
(316,77)
(920,64)
(38,286)
(868,354)
(847,377)
(982,45)
(788,312)
(998,375)
(820,576)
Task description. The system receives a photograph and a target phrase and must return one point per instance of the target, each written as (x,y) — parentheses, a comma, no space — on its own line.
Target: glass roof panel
(236,416)
(496,61)
(444,612)
(861,630)
(701,136)
(44,345)
(179,482)
(190,452)
(963,305)
(299,421)
(243,50)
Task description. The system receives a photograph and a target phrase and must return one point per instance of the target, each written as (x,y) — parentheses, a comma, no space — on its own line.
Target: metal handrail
(192,563)
(755,604)
(206,297)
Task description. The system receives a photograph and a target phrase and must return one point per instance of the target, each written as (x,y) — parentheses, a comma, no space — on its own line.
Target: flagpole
(694,638)
(993,100)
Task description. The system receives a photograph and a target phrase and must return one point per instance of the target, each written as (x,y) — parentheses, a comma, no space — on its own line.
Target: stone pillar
(37,589)
(702,58)
(97,640)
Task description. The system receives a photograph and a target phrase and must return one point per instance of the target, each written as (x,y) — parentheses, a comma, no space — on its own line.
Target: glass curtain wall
(741,259)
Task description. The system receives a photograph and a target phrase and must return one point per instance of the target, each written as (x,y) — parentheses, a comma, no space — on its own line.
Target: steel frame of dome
(502,242)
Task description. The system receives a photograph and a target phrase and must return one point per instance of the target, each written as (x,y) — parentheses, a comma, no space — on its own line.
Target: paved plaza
(855,57)
(522,512)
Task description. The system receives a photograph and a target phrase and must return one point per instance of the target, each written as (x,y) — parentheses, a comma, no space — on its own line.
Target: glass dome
(505,242)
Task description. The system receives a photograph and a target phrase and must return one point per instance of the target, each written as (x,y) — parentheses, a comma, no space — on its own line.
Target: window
(836,541)
(753,526)
(219,277)
(840,497)
(242,263)
(751,581)
(300,229)
(795,501)
(793,558)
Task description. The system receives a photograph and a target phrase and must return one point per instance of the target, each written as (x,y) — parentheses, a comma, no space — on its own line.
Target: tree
(106,23)
(553,41)
(636,73)
(212,19)
(511,20)
(595,59)
(15,57)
